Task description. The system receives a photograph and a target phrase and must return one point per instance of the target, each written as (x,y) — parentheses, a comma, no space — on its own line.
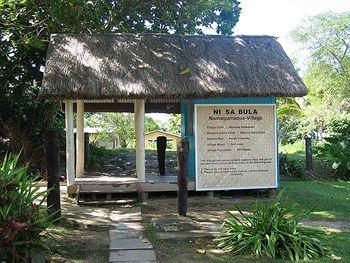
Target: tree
(25,26)
(151,124)
(327,37)
(175,123)
(118,127)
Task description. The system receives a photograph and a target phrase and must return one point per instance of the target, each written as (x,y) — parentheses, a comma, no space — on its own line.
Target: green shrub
(338,148)
(271,230)
(22,222)
(96,156)
(290,168)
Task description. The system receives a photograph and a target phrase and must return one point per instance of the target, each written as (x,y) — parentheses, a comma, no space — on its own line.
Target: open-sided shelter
(225,87)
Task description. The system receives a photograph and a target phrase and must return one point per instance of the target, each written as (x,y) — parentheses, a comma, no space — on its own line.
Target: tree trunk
(31,152)
(52,152)
(320,132)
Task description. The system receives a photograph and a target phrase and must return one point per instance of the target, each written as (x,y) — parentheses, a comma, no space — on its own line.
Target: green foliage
(151,124)
(22,222)
(339,127)
(289,113)
(119,127)
(174,125)
(326,37)
(95,157)
(339,149)
(290,168)
(271,230)
(25,27)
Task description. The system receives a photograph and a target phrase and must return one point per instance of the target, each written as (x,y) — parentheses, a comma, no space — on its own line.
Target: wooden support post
(161,147)
(86,148)
(190,117)
(182,158)
(70,151)
(272,193)
(210,194)
(308,153)
(140,139)
(80,139)
(52,152)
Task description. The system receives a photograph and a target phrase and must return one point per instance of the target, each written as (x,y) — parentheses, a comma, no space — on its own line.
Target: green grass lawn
(329,199)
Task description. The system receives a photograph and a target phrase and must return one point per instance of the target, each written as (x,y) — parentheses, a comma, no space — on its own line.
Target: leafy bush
(97,155)
(290,167)
(22,222)
(339,127)
(271,230)
(338,148)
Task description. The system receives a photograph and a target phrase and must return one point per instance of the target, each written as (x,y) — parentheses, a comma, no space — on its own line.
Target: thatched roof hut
(157,66)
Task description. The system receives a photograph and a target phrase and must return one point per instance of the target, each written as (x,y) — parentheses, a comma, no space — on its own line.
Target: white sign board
(236,146)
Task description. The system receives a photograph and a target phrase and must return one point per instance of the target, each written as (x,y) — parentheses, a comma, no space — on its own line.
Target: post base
(72,190)
(143,197)
(272,193)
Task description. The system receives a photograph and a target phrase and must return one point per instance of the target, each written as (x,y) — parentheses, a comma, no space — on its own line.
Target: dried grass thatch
(167,66)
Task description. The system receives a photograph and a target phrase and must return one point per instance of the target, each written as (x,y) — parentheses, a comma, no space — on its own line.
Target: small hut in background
(171,138)
(225,87)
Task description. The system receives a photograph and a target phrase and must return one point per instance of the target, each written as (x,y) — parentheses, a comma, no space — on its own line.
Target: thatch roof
(167,66)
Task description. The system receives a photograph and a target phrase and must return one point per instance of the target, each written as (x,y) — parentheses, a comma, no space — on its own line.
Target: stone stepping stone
(130,244)
(120,234)
(129,226)
(130,215)
(132,256)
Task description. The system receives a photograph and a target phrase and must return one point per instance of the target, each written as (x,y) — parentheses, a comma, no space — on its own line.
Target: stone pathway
(126,241)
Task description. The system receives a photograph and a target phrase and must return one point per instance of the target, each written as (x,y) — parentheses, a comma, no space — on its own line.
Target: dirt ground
(74,243)
(122,164)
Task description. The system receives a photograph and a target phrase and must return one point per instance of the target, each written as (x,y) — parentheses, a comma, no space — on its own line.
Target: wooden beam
(70,152)
(80,139)
(139,106)
(129,107)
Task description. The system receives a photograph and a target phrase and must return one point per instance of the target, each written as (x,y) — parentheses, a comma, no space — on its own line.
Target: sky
(278,18)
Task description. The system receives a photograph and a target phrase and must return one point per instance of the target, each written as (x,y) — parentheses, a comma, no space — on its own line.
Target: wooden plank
(129,107)
(70,152)
(80,139)
(105,180)
(117,188)
(140,139)
(132,187)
